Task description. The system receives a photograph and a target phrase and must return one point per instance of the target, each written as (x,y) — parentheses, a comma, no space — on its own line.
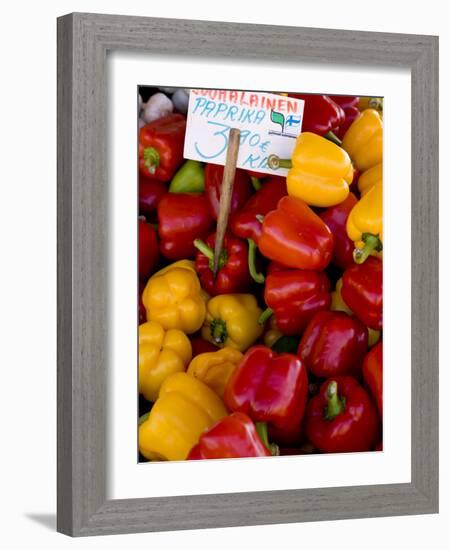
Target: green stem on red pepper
(209,253)
(335,404)
(257,277)
(256,183)
(151,158)
(266,314)
(261,428)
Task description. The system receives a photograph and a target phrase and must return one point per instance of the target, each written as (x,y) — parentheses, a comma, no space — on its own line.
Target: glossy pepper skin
(338,304)
(321,171)
(342,417)
(148,249)
(295,296)
(335,217)
(232,321)
(150,193)
(372,372)
(190,178)
(321,114)
(349,104)
(362,291)
(215,368)
(173,299)
(365,224)
(244,223)
(234,436)
(333,344)
(161,145)
(185,408)
(233,275)
(370,178)
(270,388)
(363,141)
(182,217)
(161,353)
(295,236)
(242,188)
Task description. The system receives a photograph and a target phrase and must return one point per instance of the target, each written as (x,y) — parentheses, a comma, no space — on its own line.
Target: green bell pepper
(190,178)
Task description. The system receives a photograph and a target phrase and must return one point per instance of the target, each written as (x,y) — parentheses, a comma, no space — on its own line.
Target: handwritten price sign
(269,124)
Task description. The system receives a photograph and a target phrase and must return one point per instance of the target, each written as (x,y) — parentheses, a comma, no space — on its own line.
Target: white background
(28,299)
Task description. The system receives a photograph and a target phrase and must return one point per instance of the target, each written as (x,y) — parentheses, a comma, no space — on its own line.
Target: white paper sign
(269,124)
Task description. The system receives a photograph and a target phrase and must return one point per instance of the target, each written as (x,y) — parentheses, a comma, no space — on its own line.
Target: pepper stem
(331,136)
(143,418)
(376,103)
(266,314)
(371,243)
(209,253)
(219,331)
(257,277)
(151,158)
(261,428)
(335,404)
(256,183)
(274,162)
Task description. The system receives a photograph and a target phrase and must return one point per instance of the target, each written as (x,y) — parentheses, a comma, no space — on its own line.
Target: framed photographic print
(247,274)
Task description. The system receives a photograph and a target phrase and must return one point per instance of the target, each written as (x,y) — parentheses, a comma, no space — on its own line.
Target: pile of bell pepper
(280,351)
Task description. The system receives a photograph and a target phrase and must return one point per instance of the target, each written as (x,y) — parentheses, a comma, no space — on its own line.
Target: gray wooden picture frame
(83,42)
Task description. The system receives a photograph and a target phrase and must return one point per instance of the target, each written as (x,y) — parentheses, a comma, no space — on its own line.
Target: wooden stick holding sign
(226,192)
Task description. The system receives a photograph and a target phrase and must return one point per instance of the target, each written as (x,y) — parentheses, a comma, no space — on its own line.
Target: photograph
(260,291)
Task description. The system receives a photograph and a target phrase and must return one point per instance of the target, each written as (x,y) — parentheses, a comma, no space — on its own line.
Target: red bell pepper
(234,436)
(233,273)
(161,144)
(362,291)
(349,104)
(372,372)
(242,188)
(245,223)
(148,249)
(295,236)
(270,388)
(321,114)
(333,344)
(335,218)
(342,417)
(294,296)
(150,193)
(182,218)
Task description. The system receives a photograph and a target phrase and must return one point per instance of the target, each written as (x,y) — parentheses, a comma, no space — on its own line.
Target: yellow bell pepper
(185,264)
(363,141)
(232,320)
(367,102)
(185,408)
(369,178)
(338,304)
(321,171)
(273,334)
(173,298)
(215,368)
(161,353)
(365,224)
